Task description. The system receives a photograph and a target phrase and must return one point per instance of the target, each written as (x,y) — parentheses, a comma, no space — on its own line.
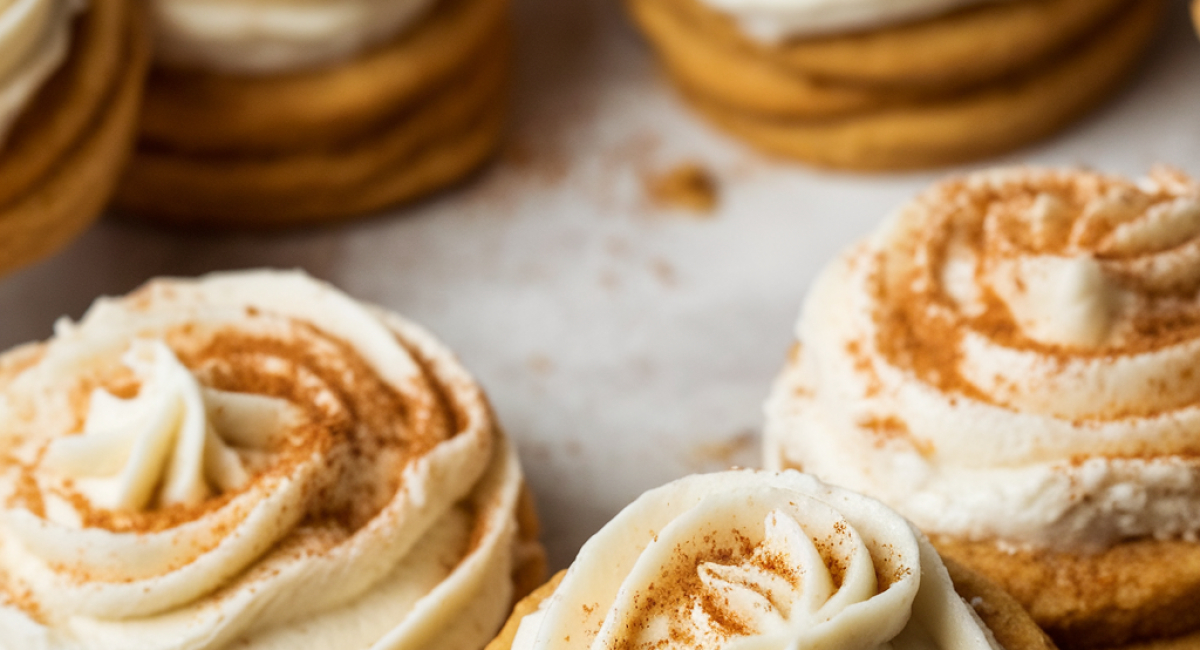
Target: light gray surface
(623,345)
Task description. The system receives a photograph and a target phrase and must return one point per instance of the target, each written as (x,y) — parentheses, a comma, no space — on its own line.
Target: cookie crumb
(689,186)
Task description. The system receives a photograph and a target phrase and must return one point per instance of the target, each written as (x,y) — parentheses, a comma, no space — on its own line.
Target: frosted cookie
(71,76)
(253,460)
(313,113)
(863,84)
(1008,362)
(762,559)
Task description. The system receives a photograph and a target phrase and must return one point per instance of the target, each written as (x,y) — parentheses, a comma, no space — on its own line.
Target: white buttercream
(275,36)
(35,36)
(748,559)
(1075,430)
(774,21)
(162,439)
(258,566)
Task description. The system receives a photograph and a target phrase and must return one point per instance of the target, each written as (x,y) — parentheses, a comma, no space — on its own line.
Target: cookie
(1135,590)
(969,84)
(960,49)
(1009,362)
(424,150)
(530,565)
(314,472)
(987,122)
(393,125)
(650,579)
(200,112)
(60,164)
(528,605)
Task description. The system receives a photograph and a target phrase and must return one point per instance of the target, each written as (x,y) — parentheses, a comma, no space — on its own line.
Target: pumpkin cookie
(682,567)
(921,92)
(298,143)
(1009,362)
(254,461)
(68,120)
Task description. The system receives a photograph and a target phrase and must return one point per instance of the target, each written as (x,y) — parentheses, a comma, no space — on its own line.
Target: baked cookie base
(844,124)
(1137,594)
(530,566)
(1010,624)
(323,161)
(63,158)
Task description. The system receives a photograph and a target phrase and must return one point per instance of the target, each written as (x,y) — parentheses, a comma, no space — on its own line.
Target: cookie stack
(279,113)
(71,78)
(876,86)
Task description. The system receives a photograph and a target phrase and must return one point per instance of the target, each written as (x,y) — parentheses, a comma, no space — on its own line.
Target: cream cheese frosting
(748,559)
(275,36)
(35,36)
(1010,357)
(249,460)
(775,21)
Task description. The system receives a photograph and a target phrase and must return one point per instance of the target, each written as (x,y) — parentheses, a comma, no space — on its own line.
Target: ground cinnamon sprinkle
(890,428)
(922,328)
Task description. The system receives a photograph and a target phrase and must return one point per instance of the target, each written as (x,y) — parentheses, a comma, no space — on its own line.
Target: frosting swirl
(249,460)
(1011,356)
(275,36)
(35,36)
(747,559)
(775,21)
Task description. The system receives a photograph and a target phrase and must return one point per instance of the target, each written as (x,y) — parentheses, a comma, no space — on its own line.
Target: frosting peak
(163,438)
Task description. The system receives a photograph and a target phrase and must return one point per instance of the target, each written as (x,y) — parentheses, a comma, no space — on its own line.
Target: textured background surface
(622,344)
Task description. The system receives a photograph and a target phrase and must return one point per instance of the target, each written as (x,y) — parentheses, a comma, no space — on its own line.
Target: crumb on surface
(688,186)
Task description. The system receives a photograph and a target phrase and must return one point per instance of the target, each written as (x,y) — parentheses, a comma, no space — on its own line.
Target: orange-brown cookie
(960,49)
(525,607)
(530,566)
(1011,625)
(62,158)
(987,122)
(425,149)
(1136,590)
(966,85)
(390,126)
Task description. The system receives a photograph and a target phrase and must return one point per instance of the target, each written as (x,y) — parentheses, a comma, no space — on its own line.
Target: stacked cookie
(873,86)
(263,114)
(71,77)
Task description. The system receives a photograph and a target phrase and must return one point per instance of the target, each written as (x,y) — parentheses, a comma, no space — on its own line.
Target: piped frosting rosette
(748,559)
(249,460)
(1011,356)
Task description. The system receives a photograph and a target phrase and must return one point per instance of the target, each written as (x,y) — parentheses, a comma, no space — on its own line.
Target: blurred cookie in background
(276,113)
